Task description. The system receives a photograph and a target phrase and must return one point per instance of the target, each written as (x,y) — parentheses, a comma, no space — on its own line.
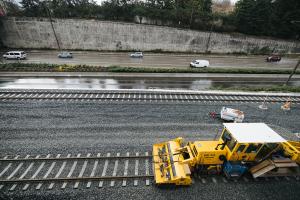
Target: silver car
(137,55)
(65,54)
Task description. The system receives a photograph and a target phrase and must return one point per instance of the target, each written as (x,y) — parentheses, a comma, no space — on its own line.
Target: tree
(11,8)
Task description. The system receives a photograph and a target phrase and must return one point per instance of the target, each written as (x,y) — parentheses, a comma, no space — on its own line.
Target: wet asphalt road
(84,127)
(155,60)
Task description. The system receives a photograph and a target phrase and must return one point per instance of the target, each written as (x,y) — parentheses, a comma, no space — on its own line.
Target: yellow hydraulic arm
(292,149)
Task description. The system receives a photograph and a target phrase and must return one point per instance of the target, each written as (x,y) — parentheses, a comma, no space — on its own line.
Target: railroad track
(142,96)
(75,171)
(99,170)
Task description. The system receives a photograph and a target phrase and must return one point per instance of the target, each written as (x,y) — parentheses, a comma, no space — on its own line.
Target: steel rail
(158,99)
(77,178)
(75,158)
(162,96)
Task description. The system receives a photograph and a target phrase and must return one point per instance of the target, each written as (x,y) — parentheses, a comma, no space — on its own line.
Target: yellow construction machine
(252,148)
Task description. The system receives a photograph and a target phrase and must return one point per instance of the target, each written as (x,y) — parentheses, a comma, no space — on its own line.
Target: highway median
(43,67)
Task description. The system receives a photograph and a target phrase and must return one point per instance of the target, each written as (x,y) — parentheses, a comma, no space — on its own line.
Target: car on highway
(199,63)
(65,54)
(137,55)
(273,58)
(15,55)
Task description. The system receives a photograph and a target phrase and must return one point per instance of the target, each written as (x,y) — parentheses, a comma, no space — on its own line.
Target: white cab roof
(253,133)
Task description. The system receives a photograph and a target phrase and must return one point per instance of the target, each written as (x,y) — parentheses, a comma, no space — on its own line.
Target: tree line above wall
(276,18)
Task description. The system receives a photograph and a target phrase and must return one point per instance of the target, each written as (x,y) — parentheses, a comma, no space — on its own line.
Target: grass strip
(278,88)
(42,67)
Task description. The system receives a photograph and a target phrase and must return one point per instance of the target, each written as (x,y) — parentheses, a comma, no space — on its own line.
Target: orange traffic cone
(287,105)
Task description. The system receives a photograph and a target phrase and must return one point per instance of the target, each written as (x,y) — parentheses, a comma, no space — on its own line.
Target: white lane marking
(125,169)
(82,171)
(203,180)
(59,171)
(5,169)
(104,170)
(70,172)
(112,183)
(88,185)
(15,171)
(136,169)
(147,168)
(224,180)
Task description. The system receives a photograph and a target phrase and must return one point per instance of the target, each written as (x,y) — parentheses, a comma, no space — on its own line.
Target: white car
(15,55)
(65,54)
(137,55)
(199,63)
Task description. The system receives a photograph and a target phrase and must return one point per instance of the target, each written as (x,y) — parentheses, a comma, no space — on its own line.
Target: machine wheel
(222,158)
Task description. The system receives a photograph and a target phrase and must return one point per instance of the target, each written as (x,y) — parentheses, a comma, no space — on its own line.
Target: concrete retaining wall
(104,35)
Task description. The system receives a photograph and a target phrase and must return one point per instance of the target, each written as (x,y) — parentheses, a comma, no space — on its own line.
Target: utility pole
(293,72)
(208,39)
(50,18)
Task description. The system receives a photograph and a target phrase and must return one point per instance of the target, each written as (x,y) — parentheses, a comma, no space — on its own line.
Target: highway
(154,59)
(39,128)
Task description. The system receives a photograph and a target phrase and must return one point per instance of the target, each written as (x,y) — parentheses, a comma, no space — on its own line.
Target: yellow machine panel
(170,165)
(242,147)
(207,154)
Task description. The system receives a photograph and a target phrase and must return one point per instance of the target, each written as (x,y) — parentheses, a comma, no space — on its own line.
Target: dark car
(273,58)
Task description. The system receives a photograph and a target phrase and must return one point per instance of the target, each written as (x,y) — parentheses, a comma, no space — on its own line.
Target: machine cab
(248,141)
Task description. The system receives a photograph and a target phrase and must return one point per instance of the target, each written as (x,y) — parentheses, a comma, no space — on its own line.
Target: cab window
(253,148)
(231,144)
(241,148)
(230,141)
